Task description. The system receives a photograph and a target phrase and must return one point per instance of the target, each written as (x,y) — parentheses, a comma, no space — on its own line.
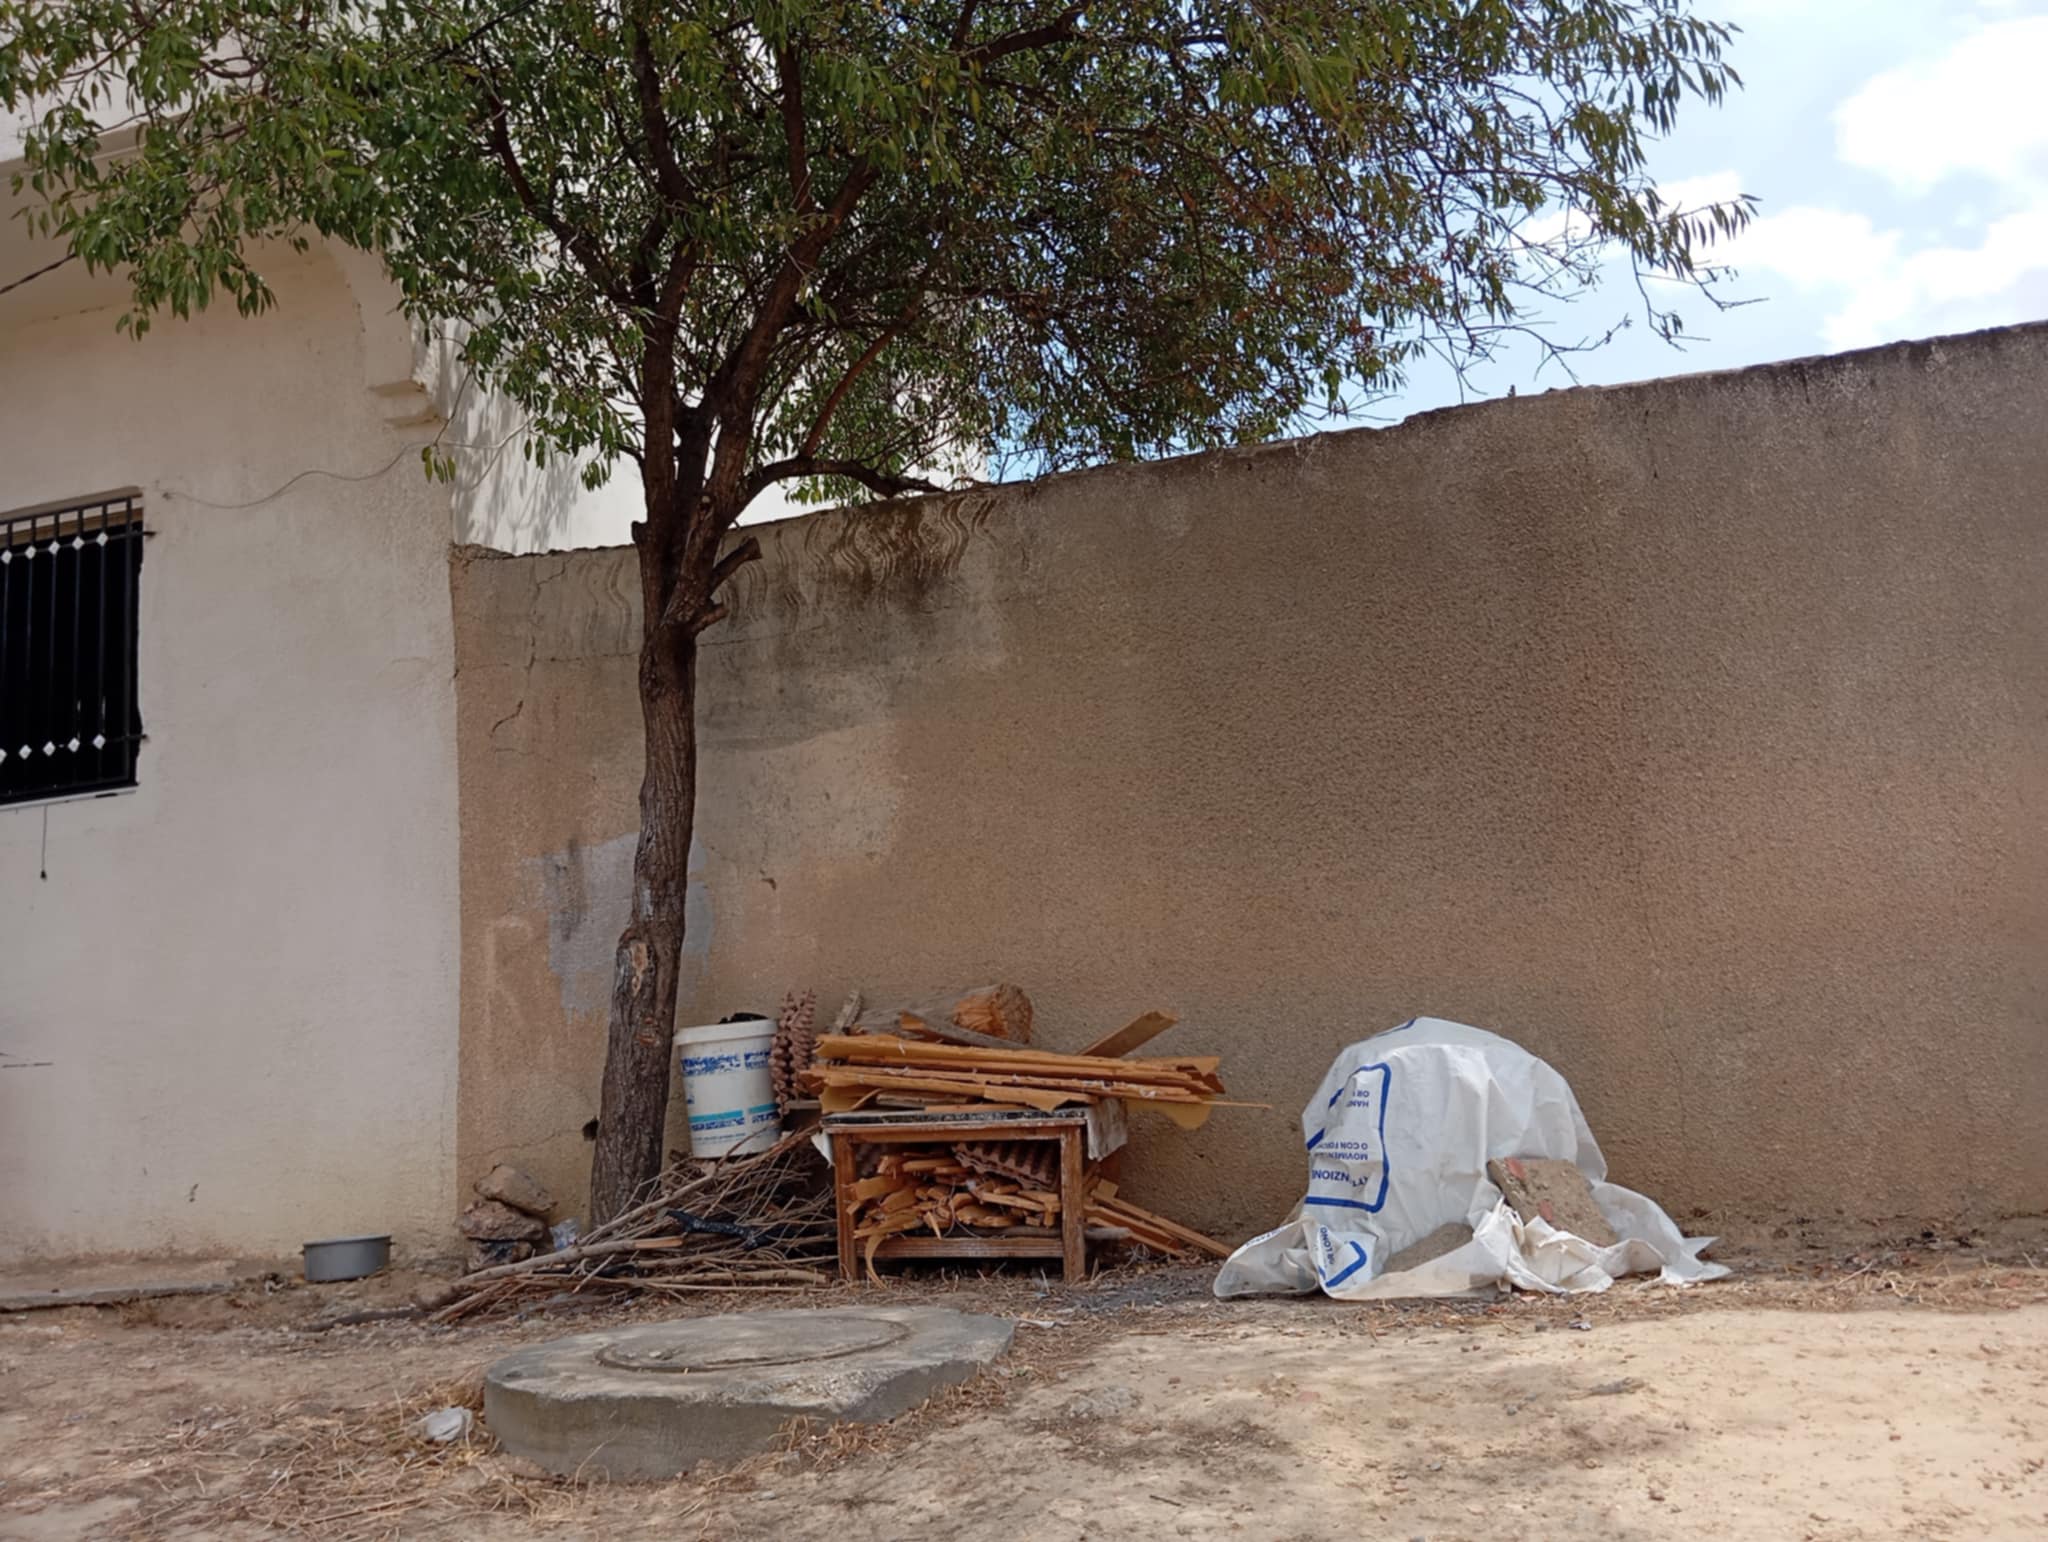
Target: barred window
(70,590)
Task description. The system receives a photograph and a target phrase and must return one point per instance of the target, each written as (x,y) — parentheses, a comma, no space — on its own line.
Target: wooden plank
(881,1048)
(950,1033)
(1010,1245)
(989,1083)
(1073,1220)
(974,1118)
(887,1075)
(1130,1231)
(1014,1202)
(842,1079)
(843,1202)
(1194,1239)
(952,1057)
(1135,1034)
(109,1295)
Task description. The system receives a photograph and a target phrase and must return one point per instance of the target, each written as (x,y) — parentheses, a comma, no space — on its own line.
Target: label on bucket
(724,1061)
(732,1119)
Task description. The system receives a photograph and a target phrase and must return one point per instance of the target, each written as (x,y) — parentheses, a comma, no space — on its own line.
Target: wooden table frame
(1070,1246)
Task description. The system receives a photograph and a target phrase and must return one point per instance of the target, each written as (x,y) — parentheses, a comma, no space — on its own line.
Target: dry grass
(342,1476)
(365,1471)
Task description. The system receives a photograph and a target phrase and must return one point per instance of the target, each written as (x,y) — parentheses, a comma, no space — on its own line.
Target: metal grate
(69,591)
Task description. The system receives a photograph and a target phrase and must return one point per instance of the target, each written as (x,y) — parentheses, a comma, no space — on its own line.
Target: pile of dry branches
(739,1221)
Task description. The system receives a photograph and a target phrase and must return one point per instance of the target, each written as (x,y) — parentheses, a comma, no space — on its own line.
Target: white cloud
(1971,112)
(1877,289)
(1699,192)
(1976,109)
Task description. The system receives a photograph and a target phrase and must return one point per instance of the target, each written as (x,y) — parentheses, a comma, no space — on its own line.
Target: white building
(228,983)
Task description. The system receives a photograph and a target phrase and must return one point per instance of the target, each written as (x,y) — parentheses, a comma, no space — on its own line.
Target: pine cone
(793,1046)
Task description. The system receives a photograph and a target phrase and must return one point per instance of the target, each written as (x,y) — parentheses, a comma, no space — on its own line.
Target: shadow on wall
(502,500)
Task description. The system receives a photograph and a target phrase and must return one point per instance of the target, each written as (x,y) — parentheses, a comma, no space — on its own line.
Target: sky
(1898,150)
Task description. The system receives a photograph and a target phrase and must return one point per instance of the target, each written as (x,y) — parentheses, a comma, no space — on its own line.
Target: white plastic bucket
(727,1088)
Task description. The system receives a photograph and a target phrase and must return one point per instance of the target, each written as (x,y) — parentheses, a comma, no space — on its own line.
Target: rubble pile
(507,1222)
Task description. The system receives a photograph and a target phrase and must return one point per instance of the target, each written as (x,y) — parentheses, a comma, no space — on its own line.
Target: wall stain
(586,893)
(886,554)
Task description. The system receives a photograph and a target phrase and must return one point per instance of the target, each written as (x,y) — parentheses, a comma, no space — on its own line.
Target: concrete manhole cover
(653,1400)
(712,1344)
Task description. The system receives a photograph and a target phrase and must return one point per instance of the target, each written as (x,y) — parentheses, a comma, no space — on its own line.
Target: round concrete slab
(653,1400)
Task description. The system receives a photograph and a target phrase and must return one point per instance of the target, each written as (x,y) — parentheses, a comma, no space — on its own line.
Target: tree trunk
(633,1111)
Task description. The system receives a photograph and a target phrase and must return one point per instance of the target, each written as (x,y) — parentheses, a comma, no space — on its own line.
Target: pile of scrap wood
(970,1186)
(852,1070)
(982,1188)
(739,1221)
(932,1063)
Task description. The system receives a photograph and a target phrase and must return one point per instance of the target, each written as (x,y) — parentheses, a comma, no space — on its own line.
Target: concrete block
(652,1400)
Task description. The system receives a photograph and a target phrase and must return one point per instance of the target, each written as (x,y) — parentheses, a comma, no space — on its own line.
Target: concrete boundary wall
(1691,733)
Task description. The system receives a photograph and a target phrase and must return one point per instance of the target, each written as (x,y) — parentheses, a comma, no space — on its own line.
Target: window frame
(121,515)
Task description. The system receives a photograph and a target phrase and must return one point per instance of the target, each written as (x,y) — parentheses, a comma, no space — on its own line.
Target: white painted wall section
(243,975)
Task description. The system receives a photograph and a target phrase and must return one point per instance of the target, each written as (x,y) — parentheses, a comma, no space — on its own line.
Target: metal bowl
(345,1258)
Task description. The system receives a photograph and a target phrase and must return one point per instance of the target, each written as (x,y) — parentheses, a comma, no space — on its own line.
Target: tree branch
(735,386)
(48,267)
(881,482)
(709,613)
(790,69)
(668,172)
(1060,29)
(874,350)
(965,23)
(747,551)
(588,254)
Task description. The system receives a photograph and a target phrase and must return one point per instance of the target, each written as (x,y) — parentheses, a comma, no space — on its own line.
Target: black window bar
(70,581)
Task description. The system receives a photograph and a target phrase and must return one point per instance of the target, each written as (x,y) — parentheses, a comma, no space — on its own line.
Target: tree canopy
(893,232)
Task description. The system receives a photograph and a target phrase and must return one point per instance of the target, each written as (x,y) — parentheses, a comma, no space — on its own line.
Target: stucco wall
(1690,732)
(243,974)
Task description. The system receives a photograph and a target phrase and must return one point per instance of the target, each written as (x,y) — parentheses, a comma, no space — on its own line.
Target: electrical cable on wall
(495,450)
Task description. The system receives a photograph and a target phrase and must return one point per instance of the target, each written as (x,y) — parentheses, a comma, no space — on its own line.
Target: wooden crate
(1069,1128)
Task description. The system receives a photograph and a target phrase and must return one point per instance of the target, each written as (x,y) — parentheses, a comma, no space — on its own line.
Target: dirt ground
(1899,1390)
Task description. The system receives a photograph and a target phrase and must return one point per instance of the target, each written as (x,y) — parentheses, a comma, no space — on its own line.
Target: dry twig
(741,1221)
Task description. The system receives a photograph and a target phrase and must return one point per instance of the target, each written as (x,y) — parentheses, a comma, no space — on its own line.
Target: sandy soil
(1889,1394)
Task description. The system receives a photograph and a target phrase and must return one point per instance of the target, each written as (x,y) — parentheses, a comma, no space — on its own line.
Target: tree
(832,241)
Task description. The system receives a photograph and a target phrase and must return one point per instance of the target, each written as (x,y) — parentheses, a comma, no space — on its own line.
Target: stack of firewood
(932,1187)
(986,1188)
